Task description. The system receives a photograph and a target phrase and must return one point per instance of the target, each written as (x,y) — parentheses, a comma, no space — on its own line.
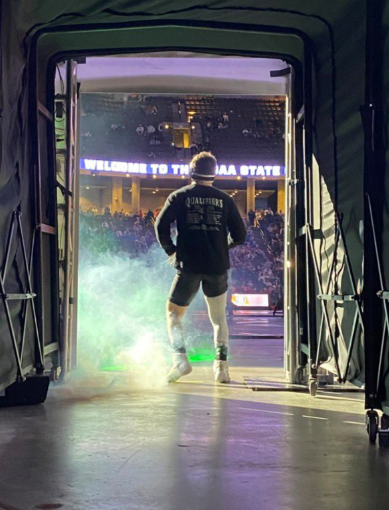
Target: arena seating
(109,123)
(235,129)
(263,119)
(256,266)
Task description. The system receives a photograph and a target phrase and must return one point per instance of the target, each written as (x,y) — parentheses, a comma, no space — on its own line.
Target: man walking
(208,225)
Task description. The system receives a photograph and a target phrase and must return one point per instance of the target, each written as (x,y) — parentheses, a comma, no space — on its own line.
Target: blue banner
(177,169)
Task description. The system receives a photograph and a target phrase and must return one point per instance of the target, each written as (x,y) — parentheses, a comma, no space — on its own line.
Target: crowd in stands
(141,127)
(125,127)
(210,123)
(153,135)
(239,128)
(256,267)
(117,232)
(215,122)
(272,131)
(152,130)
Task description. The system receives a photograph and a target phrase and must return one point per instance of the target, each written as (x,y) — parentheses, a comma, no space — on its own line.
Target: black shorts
(186,285)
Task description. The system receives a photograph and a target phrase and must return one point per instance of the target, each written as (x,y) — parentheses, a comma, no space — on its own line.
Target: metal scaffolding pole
(374,194)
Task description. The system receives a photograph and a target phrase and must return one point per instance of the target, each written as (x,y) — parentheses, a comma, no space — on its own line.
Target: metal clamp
(383,294)
(19,297)
(341,298)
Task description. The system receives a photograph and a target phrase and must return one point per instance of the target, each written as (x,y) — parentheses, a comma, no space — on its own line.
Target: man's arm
(162,226)
(235,226)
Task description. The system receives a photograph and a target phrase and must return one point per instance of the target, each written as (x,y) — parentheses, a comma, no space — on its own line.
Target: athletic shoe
(220,369)
(181,366)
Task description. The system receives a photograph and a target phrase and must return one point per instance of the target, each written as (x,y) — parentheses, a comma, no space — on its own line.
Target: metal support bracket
(340,298)
(64,190)
(27,298)
(315,233)
(45,112)
(19,297)
(325,296)
(301,115)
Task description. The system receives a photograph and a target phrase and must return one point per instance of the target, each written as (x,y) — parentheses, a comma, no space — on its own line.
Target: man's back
(205,216)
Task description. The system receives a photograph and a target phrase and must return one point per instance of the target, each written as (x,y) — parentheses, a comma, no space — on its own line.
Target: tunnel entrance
(127,162)
(301,352)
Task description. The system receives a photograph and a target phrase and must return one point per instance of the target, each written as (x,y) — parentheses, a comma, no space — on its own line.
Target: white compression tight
(217,315)
(175,327)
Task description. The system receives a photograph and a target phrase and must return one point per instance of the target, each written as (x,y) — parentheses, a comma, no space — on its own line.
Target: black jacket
(208,224)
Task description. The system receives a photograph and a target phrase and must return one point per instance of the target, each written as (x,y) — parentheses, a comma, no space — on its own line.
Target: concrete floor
(193,445)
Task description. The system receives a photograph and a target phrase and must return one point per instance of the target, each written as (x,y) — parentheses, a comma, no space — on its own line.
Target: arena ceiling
(172,72)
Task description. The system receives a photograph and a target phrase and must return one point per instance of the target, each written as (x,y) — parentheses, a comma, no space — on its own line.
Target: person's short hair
(203,167)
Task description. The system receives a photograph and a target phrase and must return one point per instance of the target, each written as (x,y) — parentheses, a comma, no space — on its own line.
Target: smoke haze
(122,339)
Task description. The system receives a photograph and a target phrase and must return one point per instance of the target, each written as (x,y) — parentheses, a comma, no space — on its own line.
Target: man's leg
(217,316)
(184,289)
(175,329)
(181,365)
(215,291)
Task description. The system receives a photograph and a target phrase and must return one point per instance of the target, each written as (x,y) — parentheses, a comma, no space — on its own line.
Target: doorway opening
(137,121)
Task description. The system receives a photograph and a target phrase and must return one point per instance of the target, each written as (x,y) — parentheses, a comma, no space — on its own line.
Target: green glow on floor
(113,368)
(202,356)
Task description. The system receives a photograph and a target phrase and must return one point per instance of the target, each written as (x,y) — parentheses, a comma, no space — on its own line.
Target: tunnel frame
(60,56)
(40,106)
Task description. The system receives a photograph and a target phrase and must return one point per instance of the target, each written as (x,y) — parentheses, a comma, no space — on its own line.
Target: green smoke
(121,310)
